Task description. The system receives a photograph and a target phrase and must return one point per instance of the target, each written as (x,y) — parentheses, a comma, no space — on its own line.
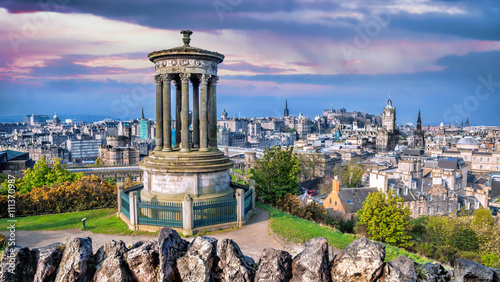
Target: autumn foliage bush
(88,192)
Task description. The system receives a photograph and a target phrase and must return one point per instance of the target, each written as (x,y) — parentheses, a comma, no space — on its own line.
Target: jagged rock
(233,265)
(48,259)
(466,270)
(362,260)
(274,265)
(110,263)
(77,262)
(18,264)
(171,247)
(430,272)
(143,261)
(496,274)
(200,260)
(399,269)
(312,263)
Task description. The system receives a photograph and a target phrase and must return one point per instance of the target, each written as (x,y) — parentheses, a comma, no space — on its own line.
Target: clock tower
(389,116)
(388,134)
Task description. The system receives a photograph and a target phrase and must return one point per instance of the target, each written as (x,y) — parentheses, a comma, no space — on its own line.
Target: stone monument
(193,167)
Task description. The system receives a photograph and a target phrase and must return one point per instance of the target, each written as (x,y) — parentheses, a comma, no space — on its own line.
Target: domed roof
(186,49)
(468,141)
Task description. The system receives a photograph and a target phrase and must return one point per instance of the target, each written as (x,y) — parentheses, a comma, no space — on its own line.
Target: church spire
(286,112)
(142,114)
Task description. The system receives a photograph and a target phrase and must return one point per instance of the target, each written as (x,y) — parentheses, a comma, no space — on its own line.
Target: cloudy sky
(90,57)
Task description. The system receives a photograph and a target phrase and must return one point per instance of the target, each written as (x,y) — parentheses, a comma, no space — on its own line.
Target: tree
(350,174)
(43,174)
(276,174)
(386,219)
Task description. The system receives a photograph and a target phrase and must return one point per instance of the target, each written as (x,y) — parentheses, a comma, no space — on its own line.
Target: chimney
(335,186)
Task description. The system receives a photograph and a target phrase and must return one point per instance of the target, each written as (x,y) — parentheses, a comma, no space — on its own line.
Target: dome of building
(468,143)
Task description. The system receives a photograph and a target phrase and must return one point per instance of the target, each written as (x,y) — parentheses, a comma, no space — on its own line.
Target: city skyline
(90,58)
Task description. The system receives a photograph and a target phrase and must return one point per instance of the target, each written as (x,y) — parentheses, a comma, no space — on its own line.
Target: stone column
(196,112)
(187,215)
(240,207)
(178,91)
(167,115)
(204,113)
(159,113)
(251,183)
(119,189)
(185,112)
(213,109)
(133,209)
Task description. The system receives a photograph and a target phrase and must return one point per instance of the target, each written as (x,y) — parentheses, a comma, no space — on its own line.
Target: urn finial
(186,37)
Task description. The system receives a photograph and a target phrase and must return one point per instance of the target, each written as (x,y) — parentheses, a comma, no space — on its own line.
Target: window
(413,184)
(430,198)
(437,209)
(335,204)
(330,201)
(467,205)
(444,196)
(449,208)
(465,158)
(481,159)
(419,210)
(429,210)
(406,190)
(474,158)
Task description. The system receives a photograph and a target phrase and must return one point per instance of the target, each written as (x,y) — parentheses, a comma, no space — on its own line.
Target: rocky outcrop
(206,259)
(312,263)
(400,269)
(233,265)
(274,265)
(200,260)
(143,261)
(77,262)
(171,247)
(431,272)
(48,260)
(469,271)
(362,260)
(111,264)
(18,264)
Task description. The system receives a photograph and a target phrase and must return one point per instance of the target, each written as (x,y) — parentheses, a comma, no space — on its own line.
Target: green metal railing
(214,212)
(248,201)
(160,213)
(125,205)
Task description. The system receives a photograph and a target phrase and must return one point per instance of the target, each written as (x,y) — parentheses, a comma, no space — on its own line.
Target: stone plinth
(170,176)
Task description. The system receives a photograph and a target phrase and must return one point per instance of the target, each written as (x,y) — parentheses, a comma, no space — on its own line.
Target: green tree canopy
(276,174)
(350,174)
(43,174)
(386,219)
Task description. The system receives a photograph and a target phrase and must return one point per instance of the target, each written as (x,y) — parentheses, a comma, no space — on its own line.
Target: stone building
(347,200)
(118,152)
(388,134)
(438,186)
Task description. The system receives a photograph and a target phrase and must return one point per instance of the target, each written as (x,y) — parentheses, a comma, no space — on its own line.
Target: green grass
(103,221)
(298,230)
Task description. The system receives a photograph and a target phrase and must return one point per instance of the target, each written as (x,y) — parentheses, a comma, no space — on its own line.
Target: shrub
(88,192)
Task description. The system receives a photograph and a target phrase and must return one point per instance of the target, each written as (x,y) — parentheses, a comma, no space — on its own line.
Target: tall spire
(286,112)
(142,114)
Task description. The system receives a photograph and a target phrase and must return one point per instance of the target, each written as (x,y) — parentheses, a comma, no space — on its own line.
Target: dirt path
(252,238)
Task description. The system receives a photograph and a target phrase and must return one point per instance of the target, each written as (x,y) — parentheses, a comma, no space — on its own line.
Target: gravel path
(252,238)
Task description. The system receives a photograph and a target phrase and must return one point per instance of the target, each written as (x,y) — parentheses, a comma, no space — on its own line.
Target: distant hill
(62,117)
